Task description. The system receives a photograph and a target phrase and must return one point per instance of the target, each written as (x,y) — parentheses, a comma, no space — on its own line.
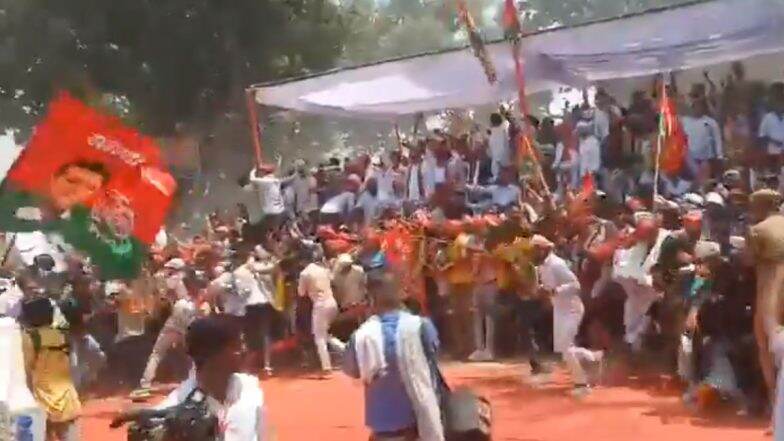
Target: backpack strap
(35,337)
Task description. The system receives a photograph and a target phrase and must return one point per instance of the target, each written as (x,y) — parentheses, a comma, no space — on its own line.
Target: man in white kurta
(315,281)
(632,270)
(558,280)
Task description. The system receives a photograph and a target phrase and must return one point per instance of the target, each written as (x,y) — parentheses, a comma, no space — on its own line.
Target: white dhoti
(639,299)
(324,313)
(566,324)
(777,351)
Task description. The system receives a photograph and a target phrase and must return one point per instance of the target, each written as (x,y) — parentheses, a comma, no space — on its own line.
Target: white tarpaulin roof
(696,34)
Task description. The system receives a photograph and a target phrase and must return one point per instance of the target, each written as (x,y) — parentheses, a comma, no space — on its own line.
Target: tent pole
(253,120)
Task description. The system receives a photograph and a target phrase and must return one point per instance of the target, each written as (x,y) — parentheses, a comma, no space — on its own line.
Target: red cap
(267,168)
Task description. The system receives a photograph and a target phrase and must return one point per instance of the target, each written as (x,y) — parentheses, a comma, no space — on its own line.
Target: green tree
(176,61)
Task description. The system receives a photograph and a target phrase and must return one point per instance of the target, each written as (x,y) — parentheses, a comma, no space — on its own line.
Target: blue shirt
(387,406)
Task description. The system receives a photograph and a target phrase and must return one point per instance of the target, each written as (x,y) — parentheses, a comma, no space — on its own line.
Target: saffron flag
(475,39)
(582,205)
(89,181)
(672,137)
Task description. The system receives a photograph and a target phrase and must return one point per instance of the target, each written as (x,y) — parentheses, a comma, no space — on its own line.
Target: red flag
(582,204)
(589,187)
(511,20)
(672,137)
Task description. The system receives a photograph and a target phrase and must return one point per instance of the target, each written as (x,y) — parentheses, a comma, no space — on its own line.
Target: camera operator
(236,400)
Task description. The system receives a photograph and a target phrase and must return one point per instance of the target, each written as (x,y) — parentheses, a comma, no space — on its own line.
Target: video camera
(190,420)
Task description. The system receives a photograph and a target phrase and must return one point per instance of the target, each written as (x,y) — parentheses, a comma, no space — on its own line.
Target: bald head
(384,291)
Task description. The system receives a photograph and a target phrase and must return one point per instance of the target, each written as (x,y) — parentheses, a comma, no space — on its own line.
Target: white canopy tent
(692,35)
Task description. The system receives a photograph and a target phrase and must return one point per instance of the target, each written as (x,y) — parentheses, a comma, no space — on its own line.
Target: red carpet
(303,409)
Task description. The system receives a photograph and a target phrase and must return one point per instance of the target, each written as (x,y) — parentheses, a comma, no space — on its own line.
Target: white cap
(344,260)
(714,198)
(693,199)
(705,249)
(541,242)
(175,264)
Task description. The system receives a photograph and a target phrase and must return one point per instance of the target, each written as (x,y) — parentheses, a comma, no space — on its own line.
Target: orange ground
(305,409)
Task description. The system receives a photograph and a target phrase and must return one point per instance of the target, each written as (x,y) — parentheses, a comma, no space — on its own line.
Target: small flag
(673,138)
(582,204)
(477,45)
(512,27)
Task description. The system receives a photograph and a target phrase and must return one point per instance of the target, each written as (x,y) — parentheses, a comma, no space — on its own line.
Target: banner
(100,186)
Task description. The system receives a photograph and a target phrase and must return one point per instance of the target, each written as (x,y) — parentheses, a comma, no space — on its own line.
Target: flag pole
(253,120)
(659,139)
(514,34)
(399,139)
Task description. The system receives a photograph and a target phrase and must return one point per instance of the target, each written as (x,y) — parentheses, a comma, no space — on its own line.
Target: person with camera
(216,402)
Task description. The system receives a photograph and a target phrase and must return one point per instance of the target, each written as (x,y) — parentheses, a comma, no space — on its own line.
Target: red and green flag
(87,179)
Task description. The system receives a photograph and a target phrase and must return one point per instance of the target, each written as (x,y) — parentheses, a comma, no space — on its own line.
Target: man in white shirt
(704,140)
(369,202)
(183,313)
(384,174)
(11,296)
(315,282)
(632,270)
(349,281)
(338,209)
(432,172)
(305,189)
(269,188)
(500,149)
(215,346)
(606,111)
(415,178)
(257,274)
(504,195)
(557,281)
(589,148)
(771,129)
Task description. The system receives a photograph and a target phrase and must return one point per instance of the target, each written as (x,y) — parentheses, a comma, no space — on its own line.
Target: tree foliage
(176,61)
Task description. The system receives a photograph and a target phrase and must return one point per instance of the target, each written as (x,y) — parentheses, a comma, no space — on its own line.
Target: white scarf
(415,372)
(369,342)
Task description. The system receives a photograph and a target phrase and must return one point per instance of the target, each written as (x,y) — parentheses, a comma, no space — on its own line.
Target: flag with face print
(91,183)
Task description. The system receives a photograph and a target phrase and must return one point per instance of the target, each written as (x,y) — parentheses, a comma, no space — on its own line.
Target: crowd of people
(548,236)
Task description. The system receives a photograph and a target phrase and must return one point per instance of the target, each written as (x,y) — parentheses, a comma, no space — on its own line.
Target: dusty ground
(303,408)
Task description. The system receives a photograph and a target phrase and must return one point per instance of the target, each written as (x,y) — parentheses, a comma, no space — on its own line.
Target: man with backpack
(393,353)
(46,355)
